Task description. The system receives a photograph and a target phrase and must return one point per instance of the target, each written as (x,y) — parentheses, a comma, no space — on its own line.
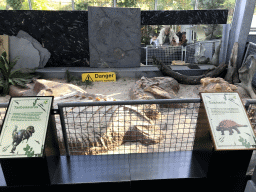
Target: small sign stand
(29,151)
(224,139)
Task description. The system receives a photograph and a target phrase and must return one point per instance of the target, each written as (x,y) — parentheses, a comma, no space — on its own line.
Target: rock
(213,85)
(28,55)
(15,91)
(243,93)
(155,88)
(44,53)
(147,135)
(51,88)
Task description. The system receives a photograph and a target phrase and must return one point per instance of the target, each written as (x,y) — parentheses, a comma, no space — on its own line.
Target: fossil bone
(232,74)
(246,73)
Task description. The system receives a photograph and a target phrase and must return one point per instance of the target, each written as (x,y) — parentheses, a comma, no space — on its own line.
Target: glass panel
(174,5)
(83,4)
(194,33)
(14,5)
(145,5)
(126,3)
(52,5)
(3,5)
(100,3)
(187,44)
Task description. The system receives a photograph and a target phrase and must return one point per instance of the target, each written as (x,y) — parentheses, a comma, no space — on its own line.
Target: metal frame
(61,107)
(248,106)
(160,47)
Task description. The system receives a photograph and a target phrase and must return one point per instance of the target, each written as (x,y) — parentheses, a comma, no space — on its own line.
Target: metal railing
(119,127)
(165,54)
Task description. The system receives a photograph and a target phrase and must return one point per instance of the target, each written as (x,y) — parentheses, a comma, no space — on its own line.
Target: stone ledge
(136,72)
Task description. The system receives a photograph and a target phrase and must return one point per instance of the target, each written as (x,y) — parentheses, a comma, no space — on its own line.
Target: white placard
(24,128)
(229,123)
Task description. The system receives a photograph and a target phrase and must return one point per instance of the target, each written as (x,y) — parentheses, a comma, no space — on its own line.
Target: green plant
(12,77)
(15,4)
(75,80)
(69,77)
(29,151)
(244,142)
(81,5)
(126,3)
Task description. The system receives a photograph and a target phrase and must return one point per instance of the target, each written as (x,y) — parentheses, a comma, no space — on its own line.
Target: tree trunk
(190,80)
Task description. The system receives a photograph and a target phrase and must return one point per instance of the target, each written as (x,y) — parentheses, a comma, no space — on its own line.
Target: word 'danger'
(105,77)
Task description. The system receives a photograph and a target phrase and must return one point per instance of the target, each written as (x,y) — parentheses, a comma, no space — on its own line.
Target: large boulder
(43,52)
(213,85)
(155,88)
(22,48)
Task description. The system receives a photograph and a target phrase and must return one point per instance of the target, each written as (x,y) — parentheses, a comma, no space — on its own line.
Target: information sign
(24,128)
(105,77)
(228,120)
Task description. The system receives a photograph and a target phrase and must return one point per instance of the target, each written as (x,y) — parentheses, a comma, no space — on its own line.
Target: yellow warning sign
(105,77)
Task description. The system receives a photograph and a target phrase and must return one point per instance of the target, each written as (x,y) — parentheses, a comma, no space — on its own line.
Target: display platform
(123,169)
(138,171)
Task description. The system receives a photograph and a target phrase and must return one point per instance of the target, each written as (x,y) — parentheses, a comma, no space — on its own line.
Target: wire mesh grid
(166,54)
(207,48)
(133,128)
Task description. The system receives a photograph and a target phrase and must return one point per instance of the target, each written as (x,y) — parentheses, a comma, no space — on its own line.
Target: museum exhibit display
(28,138)
(223,132)
(184,122)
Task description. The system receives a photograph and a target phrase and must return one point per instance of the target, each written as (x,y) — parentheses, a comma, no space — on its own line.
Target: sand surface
(120,89)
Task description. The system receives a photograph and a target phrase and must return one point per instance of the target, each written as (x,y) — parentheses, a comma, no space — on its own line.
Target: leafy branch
(29,151)
(9,76)
(244,142)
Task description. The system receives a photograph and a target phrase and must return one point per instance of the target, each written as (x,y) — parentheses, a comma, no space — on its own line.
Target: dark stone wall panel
(66,37)
(13,21)
(184,17)
(115,37)
(65,33)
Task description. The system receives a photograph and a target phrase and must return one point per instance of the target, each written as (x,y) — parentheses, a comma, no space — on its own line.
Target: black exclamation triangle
(88,78)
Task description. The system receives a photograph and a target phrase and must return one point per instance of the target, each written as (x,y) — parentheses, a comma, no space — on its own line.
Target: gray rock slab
(114,37)
(43,52)
(28,55)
